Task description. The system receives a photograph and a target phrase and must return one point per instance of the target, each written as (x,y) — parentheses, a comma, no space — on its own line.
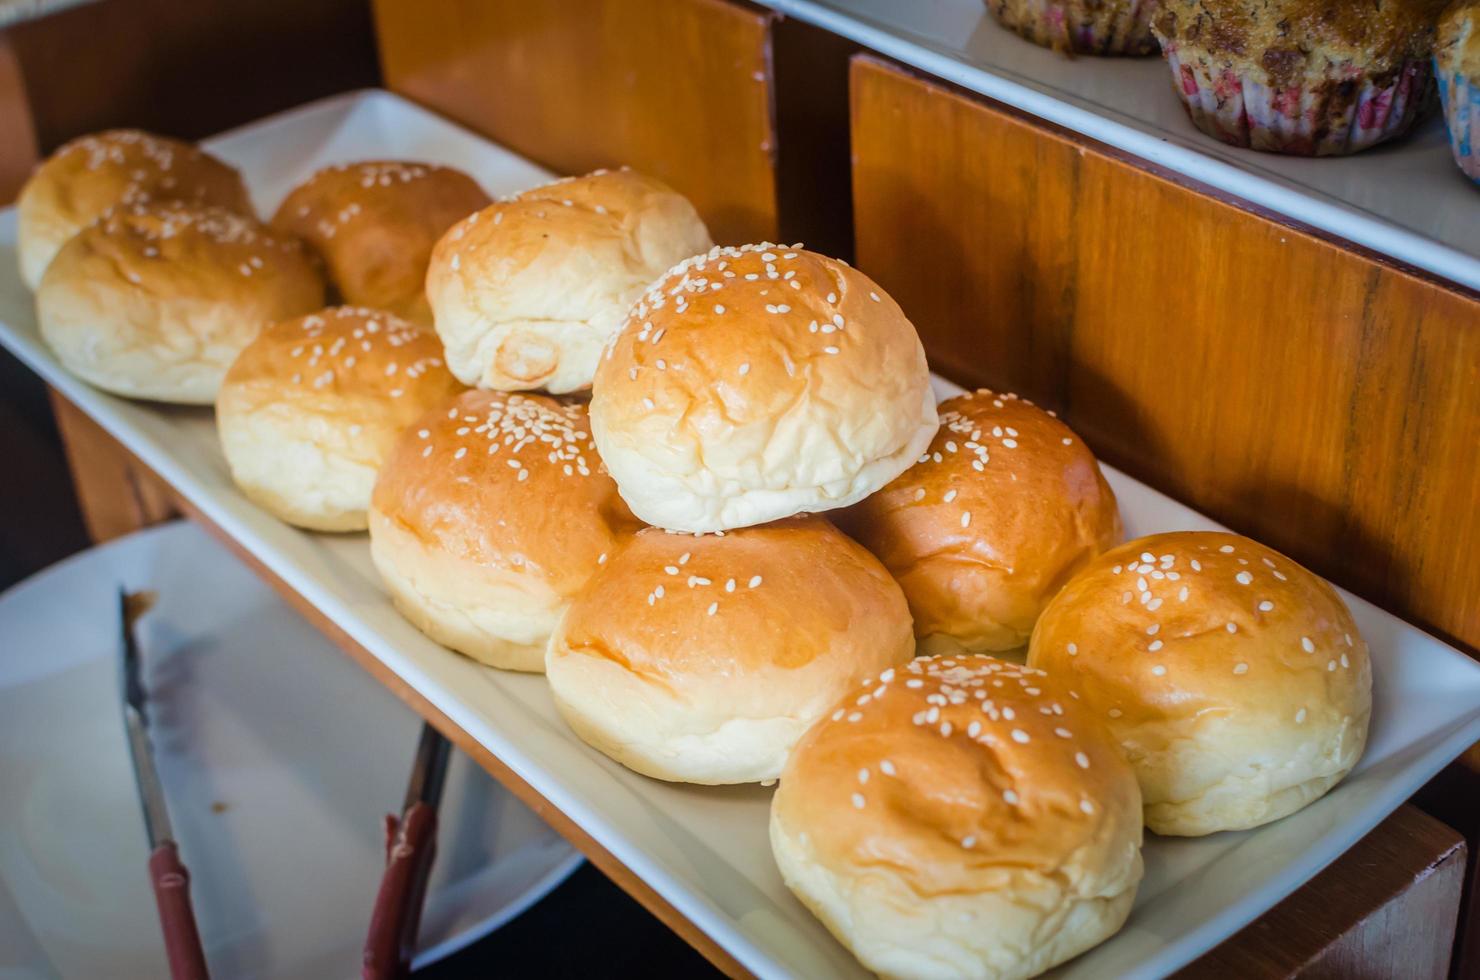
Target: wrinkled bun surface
(960,817)
(526,292)
(1005,504)
(311,408)
(124,166)
(1234,679)
(374,224)
(703,659)
(156,300)
(490,514)
(756,383)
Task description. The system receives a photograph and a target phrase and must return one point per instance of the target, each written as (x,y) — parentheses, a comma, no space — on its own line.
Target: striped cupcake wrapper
(1461,101)
(1301,120)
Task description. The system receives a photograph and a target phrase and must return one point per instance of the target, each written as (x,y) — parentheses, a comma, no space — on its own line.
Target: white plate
(278,757)
(703,849)
(1406,198)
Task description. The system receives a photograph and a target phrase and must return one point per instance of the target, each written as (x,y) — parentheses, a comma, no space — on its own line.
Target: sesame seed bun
(91,174)
(986,527)
(703,659)
(490,513)
(527,291)
(374,225)
(311,408)
(1234,679)
(962,817)
(156,300)
(756,383)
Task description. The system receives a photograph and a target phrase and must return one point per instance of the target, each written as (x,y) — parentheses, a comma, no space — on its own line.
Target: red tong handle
(411,844)
(176,918)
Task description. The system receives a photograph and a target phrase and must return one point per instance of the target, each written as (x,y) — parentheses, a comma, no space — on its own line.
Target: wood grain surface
(1386,909)
(1301,392)
(680,89)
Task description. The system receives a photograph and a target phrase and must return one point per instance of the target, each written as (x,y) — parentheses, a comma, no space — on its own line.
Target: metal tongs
(410,848)
(166,872)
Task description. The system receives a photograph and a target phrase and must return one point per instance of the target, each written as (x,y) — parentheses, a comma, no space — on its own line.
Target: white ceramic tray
(278,757)
(703,849)
(1406,199)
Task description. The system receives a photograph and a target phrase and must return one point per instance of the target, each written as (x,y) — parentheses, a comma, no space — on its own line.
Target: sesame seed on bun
(156,300)
(526,291)
(310,409)
(492,512)
(750,384)
(960,817)
(374,224)
(703,659)
(91,174)
(1235,680)
(1002,507)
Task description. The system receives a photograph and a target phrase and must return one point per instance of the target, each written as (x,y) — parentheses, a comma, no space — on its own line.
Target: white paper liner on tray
(1305,120)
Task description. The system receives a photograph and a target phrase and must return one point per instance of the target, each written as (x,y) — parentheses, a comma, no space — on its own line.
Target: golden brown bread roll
(960,817)
(1003,506)
(490,514)
(374,224)
(310,410)
(528,290)
(702,659)
(1235,680)
(156,300)
(91,174)
(750,384)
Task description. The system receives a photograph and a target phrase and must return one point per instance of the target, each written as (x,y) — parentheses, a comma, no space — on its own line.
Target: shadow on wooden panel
(680,89)
(813,174)
(188,69)
(1298,390)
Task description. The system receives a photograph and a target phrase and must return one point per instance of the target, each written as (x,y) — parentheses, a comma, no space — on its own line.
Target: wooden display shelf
(1393,899)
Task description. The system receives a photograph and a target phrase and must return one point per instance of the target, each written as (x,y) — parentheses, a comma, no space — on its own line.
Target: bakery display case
(1277,346)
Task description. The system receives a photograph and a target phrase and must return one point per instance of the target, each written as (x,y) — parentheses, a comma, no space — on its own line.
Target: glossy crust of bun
(526,292)
(489,515)
(91,174)
(310,409)
(750,384)
(374,224)
(960,817)
(703,659)
(1235,680)
(1004,505)
(156,300)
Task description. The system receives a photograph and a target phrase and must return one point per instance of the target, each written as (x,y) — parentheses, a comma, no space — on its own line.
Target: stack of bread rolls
(709,493)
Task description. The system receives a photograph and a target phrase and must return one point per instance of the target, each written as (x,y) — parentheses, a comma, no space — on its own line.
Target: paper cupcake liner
(1325,117)
(1461,101)
(1111,27)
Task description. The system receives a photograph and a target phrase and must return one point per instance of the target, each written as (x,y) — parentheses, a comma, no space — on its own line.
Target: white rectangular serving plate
(705,849)
(1406,199)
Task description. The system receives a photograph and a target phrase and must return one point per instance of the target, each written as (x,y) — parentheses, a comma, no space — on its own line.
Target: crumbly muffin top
(1458,46)
(1280,35)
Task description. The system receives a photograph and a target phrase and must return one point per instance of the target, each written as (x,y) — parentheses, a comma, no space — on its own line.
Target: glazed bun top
(528,290)
(1282,36)
(506,481)
(955,772)
(1173,625)
(120,167)
(754,383)
(374,223)
(349,359)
